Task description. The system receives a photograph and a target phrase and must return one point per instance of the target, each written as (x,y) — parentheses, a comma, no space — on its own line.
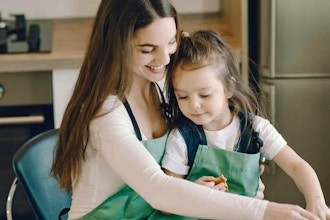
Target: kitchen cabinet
(68,47)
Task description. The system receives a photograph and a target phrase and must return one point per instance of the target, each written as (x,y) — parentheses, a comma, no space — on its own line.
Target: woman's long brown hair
(105,71)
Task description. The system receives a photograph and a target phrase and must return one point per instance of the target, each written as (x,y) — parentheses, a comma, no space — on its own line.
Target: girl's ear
(231,87)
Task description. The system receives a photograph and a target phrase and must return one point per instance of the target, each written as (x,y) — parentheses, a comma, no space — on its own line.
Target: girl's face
(152,47)
(202,97)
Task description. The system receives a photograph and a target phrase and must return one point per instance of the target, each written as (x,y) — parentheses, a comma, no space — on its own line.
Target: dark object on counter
(20,28)
(34,38)
(25,36)
(3,40)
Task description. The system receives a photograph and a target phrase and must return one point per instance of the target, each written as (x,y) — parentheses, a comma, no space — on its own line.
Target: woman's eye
(172,42)
(146,51)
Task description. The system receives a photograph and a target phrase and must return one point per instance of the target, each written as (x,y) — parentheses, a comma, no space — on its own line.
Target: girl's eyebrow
(177,90)
(201,89)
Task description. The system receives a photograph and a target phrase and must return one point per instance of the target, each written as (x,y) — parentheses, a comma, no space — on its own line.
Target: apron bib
(241,170)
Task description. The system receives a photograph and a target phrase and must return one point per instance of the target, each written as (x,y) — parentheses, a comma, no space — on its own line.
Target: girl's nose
(195,103)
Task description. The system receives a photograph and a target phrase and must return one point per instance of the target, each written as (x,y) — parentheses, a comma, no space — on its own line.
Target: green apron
(240,167)
(241,170)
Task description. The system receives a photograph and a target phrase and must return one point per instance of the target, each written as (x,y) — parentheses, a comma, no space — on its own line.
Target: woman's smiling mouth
(156,69)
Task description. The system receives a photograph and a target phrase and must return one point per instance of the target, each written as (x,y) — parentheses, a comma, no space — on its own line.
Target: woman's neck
(145,104)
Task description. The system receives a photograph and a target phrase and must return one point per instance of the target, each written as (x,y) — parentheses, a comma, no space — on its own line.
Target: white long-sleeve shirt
(115,157)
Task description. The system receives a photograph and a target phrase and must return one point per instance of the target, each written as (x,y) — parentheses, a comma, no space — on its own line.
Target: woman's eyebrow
(151,45)
(146,45)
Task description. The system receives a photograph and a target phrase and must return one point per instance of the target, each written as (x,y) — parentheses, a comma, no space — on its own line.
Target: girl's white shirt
(176,155)
(115,157)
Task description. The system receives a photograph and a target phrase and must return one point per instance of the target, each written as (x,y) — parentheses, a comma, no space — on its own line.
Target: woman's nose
(163,56)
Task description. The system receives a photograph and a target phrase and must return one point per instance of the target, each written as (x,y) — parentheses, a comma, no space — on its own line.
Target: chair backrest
(32,164)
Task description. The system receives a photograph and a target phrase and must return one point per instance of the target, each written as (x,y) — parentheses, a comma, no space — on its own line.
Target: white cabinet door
(64,81)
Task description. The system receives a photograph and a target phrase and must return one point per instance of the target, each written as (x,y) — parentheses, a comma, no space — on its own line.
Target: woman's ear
(231,87)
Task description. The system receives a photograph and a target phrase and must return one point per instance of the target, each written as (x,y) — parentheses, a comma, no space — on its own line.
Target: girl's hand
(207,181)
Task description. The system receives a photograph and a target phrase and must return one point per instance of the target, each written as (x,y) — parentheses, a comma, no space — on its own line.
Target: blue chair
(32,164)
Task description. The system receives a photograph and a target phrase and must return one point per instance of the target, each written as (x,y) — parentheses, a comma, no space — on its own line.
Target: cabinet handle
(35,119)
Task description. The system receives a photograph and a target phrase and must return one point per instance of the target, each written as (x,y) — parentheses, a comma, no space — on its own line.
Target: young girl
(211,106)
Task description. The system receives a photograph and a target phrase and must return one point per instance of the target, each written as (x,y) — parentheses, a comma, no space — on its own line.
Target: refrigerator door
(294,38)
(300,110)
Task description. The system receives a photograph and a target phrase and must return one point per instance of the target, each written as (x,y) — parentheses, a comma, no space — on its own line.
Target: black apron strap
(249,141)
(193,136)
(136,127)
(164,106)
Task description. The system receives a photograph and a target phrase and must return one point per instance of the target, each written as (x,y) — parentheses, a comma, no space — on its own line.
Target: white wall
(49,8)
(63,84)
(197,6)
(87,8)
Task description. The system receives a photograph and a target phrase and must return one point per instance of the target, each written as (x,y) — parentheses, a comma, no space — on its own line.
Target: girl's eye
(181,96)
(205,96)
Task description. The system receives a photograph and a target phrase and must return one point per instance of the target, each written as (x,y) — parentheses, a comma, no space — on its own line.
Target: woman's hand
(205,181)
(319,208)
(261,189)
(287,212)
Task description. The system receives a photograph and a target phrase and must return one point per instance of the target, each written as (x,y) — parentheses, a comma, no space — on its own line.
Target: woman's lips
(156,69)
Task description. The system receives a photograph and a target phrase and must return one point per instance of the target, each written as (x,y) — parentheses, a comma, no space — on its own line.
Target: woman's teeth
(156,67)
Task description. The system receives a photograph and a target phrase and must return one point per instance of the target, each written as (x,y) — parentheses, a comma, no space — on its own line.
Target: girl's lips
(197,115)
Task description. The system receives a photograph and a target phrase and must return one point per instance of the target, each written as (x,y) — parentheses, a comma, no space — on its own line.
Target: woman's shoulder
(112,108)
(112,116)
(111,102)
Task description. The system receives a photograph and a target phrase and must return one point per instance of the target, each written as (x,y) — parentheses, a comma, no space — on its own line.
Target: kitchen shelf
(70,37)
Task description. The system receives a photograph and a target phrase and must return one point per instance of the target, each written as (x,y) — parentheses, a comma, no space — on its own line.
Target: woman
(113,132)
